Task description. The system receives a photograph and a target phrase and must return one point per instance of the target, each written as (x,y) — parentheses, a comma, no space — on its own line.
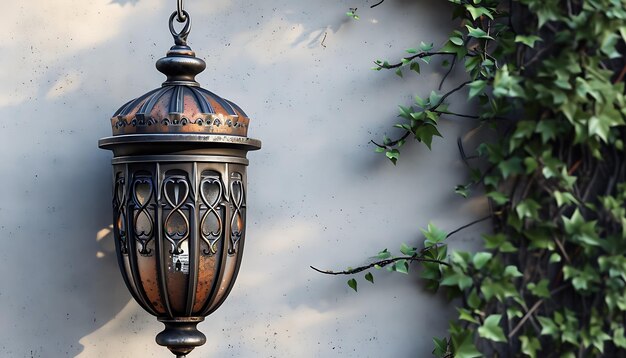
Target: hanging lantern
(179,195)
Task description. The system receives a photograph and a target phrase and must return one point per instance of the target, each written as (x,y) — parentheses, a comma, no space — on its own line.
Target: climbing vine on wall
(548,78)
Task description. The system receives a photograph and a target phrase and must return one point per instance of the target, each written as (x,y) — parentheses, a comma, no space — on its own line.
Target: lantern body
(179,198)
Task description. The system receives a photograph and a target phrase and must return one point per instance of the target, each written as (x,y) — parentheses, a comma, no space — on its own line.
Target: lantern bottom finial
(181,334)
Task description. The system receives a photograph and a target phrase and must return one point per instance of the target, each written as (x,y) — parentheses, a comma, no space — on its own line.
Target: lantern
(179,195)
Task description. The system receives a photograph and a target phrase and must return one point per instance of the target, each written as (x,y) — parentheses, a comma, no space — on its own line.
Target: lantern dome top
(180,105)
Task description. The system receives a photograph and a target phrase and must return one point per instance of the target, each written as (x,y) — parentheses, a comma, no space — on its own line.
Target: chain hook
(181,15)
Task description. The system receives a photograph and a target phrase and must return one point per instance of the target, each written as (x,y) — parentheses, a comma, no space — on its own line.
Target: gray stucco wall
(318,194)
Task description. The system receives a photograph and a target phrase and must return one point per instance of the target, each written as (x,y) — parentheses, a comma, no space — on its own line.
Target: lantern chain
(181,15)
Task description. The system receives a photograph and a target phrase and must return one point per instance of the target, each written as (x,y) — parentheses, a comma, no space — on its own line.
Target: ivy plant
(547,77)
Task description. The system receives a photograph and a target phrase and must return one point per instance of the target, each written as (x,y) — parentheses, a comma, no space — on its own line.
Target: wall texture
(318,195)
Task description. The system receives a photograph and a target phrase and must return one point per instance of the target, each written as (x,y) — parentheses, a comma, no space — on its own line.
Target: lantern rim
(218,140)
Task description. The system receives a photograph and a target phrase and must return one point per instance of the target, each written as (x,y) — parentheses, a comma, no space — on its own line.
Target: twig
(533,309)
(447,73)
(416,257)
(410,58)
(378,3)
(324,39)
(382,263)
(468,225)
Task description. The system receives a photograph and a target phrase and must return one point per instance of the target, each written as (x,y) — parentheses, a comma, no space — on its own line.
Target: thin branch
(443,98)
(468,225)
(532,310)
(392,143)
(381,263)
(411,58)
(447,73)
(416,257)
(378,3)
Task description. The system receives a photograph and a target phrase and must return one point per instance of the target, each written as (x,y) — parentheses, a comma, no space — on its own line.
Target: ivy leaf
(476,88)
(498,198)
(383,255)
(539,289)
(393,155)
(548,327)
(480,259)
(441,347)
(477,12)
(530,346)
(510,167)
(599,127)
(433,235)
(462,190)
(456,40)
(426,47)
(528,40)
(477,33)
(466,315)
(408,251)
(491,329)
(425,134)
(527,208)
(402,266)
(352,284)
(608,46)
(369,277)
(511,271)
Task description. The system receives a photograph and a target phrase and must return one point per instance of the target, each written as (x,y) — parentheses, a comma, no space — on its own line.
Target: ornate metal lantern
(179,195)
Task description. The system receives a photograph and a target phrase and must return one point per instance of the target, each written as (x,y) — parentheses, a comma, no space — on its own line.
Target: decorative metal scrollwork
(143,222)
(238,202)
(119,210)
(175,233)
(211,192)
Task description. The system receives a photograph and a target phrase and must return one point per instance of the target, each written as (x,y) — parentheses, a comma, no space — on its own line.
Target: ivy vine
(547,77)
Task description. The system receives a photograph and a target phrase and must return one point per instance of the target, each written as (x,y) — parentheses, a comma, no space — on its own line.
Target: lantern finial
(181,64)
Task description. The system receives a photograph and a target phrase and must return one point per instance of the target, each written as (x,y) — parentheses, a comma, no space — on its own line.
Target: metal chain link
(180,13)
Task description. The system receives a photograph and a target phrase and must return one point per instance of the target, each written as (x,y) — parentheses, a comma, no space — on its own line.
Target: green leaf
(476,88)
(399,72)
(426,47)
(383,255)
(456,40)
(608,45)
(466,315)
(539,289)
(477,33)
(498,198)
(527,208)
(433,235)
(528,40)
(463,345)
(498,242)
(369,277)
(530,346)
(409,251)
(512,271)
(415,66)
(441,347)
(491,329)
(477,12)
(393,155)
(411,50)
(548,327)
(480,259)
(510,167)
(352,284)
(402,266)
(462,190)
(555,257)
(425,134)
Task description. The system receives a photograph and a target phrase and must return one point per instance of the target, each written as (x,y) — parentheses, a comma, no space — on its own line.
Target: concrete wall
(318,194)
